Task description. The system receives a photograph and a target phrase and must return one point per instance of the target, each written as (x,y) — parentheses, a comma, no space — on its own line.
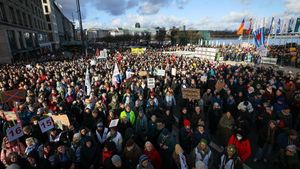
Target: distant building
(137,25)
(22,29)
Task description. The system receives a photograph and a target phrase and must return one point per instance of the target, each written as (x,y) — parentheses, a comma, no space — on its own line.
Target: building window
(46,9)
(28,39)
(12,40)
(48,18)
(25,19)
(21,40)
(44,1)
(2,13)
(19,17)
(49,27)
(30,21)
(12,14)
(35,24)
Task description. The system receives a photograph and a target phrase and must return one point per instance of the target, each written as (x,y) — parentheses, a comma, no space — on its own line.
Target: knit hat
(143,158)
(115,159)
(100,124)
(186,122)
(203,141)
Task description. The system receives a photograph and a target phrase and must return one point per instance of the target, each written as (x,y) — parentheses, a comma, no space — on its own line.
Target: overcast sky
(195,14)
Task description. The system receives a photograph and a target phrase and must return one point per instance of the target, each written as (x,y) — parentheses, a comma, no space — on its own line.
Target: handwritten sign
(173,72)
(61,120)
(151,83)
(14,132)
(190,93)
(113,123)
(160,72)
(46,124)
(8,115)
(143,73)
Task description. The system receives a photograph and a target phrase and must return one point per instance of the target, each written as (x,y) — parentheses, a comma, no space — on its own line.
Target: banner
(206,53)
(8,115)
(297,26)
(190,93)
(136,51)
(87,82)
(12,95)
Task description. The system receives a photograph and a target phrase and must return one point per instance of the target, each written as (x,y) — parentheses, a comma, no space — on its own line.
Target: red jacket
(243,147)
(154,157)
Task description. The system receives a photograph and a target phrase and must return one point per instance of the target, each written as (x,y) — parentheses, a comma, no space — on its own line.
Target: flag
(250,25)
(87,82)
(297,26)
(291,25)
(278,28)
(284,27)
(97,52)
(241,28)
(271,26)
(116,76)
(259,37)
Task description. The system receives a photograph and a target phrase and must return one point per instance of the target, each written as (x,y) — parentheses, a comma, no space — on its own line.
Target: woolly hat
(143,158)
(115,159)
(186,122)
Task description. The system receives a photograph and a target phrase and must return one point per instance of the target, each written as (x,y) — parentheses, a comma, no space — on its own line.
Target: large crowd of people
(157,128)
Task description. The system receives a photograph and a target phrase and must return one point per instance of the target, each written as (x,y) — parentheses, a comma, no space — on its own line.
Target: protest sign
(173,71)
(143,73)
(160,72)
(8,115)
(203,78)
(14,132)
(151,83)
(113,123)
(190,93)
(61,120)
(12,95)
(46,124)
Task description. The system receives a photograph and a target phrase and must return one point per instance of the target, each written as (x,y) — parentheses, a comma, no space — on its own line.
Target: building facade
(22,29)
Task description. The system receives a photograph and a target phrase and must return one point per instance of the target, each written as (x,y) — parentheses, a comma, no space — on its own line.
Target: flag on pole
(241,28)
(284,27)
(259,37)
(250,25)
(297,26)
(291,25)
(116,76)
(87,82)
(97,52)
(271,25)
(278,27)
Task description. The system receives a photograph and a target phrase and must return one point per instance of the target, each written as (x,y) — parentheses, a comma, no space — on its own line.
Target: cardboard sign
(46,124)
(173,72)
(151,83)
(113,123)
(12,95)
(143,73)
(61,120)
(8,115)
(190,93)
(160,72)
(14,132)
(93,62)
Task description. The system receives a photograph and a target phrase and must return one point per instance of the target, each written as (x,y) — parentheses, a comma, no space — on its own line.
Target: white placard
(160,72)
(113,123)
(129,74)
(28,66)
(93,62)
(46,124)
(203,78)
(173,71)
(14,132)
(151,83)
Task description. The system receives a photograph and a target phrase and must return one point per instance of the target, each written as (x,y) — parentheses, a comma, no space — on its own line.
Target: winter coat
(89,155)
(243,147)
(131,116)
(154,158)
(132,157)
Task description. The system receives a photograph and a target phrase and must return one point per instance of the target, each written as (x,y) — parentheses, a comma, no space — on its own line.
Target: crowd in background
(157,128)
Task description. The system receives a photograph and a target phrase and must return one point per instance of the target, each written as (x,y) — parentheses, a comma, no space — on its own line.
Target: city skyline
(195,14)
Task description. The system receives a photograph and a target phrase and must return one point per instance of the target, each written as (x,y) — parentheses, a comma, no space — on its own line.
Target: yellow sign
(136,51)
